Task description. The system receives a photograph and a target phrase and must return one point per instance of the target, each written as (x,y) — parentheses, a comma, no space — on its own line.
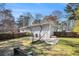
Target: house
(43,31)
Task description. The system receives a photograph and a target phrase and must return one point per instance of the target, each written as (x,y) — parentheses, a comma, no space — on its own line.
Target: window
(36,35)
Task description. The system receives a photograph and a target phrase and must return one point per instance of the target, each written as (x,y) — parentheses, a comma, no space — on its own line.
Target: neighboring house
(63,27)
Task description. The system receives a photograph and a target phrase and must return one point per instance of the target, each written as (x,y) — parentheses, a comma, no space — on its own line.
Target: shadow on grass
(42,48)
(65,42)
(38,47)
(72,44)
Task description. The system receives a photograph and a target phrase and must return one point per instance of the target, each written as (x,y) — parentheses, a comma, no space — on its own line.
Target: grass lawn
(65,46)
(14,42)
(69,45)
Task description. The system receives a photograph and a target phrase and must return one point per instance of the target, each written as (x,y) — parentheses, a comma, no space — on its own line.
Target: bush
(28,33)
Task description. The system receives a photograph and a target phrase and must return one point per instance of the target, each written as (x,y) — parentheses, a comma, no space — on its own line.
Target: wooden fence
(4,36)
(67,34)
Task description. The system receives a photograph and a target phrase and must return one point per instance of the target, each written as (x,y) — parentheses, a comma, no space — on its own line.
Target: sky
(34,8)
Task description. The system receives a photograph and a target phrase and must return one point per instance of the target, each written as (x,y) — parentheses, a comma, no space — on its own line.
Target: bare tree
(7,20)
(35,22)
(63,26)
(24,20)
(58,14)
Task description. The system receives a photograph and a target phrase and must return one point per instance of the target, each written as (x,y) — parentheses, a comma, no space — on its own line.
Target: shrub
(28,33)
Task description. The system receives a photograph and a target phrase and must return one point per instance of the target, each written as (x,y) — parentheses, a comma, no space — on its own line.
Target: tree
(75,28)
(2,7)
(35,22)
(24,20)
(29,17)
(7,20)
(63,26)
(72,13)
(57,14)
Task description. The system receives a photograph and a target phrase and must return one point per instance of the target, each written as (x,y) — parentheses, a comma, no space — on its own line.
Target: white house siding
(24,30)
(45,33)
(52,29)
(35,30)
(47,30)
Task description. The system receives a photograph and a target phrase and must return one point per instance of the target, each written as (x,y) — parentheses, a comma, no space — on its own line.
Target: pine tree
(71,10)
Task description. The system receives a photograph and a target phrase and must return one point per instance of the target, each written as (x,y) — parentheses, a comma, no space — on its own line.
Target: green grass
(65,47)
(14,42)
(72,43)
